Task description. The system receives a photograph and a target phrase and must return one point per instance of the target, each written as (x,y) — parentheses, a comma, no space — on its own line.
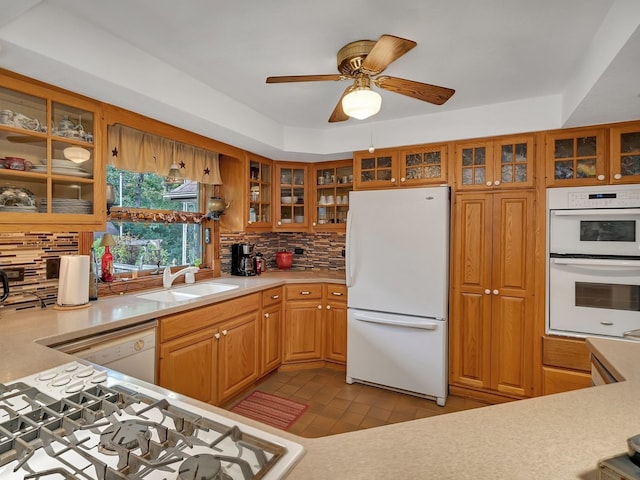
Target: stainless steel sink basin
(189,292)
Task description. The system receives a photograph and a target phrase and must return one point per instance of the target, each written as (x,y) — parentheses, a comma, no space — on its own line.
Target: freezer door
(397,351)
(398,251)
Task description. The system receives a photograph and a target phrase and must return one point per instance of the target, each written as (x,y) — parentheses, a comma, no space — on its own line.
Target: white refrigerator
(397,270)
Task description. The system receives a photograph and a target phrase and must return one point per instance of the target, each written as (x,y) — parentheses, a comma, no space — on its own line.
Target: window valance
(138,151)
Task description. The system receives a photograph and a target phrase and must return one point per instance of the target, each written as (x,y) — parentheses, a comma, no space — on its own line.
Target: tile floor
(336,407)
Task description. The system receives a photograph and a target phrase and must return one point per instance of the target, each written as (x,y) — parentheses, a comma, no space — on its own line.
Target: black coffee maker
(242,261)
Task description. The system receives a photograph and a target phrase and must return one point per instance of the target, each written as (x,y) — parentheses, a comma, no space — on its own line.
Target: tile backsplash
(30,251)
(322,251)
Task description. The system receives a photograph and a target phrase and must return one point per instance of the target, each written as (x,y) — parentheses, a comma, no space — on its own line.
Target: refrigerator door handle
(420,325)
(349,244)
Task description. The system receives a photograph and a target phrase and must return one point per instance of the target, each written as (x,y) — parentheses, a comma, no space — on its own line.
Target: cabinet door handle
(266,315)
(606,322)
(337,294)
(489,183)
(305,292)
(217,336)
(275,297)
(328,307)
(496,292)
(393,179)
(497,182)
(319,307)
(402,180)
(224,332)
(617,176)
(602,177)
(487,291)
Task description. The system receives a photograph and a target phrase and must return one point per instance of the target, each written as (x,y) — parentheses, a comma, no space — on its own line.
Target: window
(153,224)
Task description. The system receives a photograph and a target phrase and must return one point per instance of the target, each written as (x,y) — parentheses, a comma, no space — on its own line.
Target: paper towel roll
(73,284)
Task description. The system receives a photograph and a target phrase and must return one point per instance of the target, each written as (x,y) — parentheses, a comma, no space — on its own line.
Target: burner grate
(105,432)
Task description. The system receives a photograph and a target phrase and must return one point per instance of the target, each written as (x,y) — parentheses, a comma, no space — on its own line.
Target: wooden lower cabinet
(271,330)
(315,323)
(211,353)
(335,320)
(566,365)
(188,365)
(303,315)
(238,361)
(491,322)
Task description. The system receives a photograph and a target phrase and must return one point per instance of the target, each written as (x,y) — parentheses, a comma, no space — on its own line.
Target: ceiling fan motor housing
(351,56)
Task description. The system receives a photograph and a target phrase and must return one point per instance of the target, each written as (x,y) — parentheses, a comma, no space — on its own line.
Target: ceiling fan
(363,61)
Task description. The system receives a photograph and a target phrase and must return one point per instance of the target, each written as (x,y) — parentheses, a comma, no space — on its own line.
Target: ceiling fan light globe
(361,103)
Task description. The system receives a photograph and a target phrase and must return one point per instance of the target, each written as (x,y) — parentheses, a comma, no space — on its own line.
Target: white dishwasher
(131,350)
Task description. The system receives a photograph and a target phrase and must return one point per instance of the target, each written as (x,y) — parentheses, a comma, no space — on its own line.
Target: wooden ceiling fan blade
(387,49)
(422,91)
(305,78)
(338,114)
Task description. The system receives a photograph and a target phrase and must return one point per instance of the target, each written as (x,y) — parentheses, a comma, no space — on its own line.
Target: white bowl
(285,220)
(298,219)
(288,199)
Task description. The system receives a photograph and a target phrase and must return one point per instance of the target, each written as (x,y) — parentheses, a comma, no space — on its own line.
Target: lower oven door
(590,296)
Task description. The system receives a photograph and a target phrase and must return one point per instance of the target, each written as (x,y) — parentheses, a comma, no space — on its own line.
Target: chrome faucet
(168,277)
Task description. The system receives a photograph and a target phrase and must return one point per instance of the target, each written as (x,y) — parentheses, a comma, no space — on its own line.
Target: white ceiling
(517,65)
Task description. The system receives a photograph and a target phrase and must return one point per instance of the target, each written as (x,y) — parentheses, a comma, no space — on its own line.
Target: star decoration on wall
(114,152)
(182,165)
(207,171)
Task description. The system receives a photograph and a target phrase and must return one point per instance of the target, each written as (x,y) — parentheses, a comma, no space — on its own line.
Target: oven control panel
(596,199)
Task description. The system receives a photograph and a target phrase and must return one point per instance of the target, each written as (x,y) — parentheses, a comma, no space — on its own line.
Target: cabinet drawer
(336,292)
(303,291)
(185,322)
(557,380)
(566,353)
(271,296)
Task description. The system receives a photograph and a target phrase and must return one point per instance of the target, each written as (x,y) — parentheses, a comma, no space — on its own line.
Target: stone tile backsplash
(322,251)
(30,251)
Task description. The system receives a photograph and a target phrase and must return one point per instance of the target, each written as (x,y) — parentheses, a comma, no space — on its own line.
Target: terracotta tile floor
(336,407)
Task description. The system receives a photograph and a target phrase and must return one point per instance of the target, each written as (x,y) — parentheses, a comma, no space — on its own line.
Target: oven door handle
(602,262)
(601,212)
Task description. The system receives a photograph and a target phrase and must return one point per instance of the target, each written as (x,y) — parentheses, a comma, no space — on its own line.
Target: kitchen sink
(189,292)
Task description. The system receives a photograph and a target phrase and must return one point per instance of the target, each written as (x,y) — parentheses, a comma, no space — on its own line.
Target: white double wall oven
(593,275)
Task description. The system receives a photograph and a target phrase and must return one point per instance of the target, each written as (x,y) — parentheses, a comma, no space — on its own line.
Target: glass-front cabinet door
(375,170)
(260,193)
(291,199)
(625,153)
(423,165)
(333,182)
(49,168)
(575,157)
(506,162)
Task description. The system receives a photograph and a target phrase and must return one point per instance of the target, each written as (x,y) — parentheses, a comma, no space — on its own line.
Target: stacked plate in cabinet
(62,167)
(67,205)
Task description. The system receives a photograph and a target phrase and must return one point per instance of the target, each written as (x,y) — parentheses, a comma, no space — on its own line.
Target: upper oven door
(601,231)
(593,296)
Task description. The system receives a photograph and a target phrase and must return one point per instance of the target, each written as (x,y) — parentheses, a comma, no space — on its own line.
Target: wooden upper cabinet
(53,175)
(625,153)
(260,199)
(330,198)
(504,162)
(292,195)
(410,166)
(375,170)
(248,189)
(576,157)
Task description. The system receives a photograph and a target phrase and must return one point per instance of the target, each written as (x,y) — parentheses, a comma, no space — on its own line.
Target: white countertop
(558,436)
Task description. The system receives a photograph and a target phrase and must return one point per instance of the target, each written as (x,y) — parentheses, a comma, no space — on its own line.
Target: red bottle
(107,265)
